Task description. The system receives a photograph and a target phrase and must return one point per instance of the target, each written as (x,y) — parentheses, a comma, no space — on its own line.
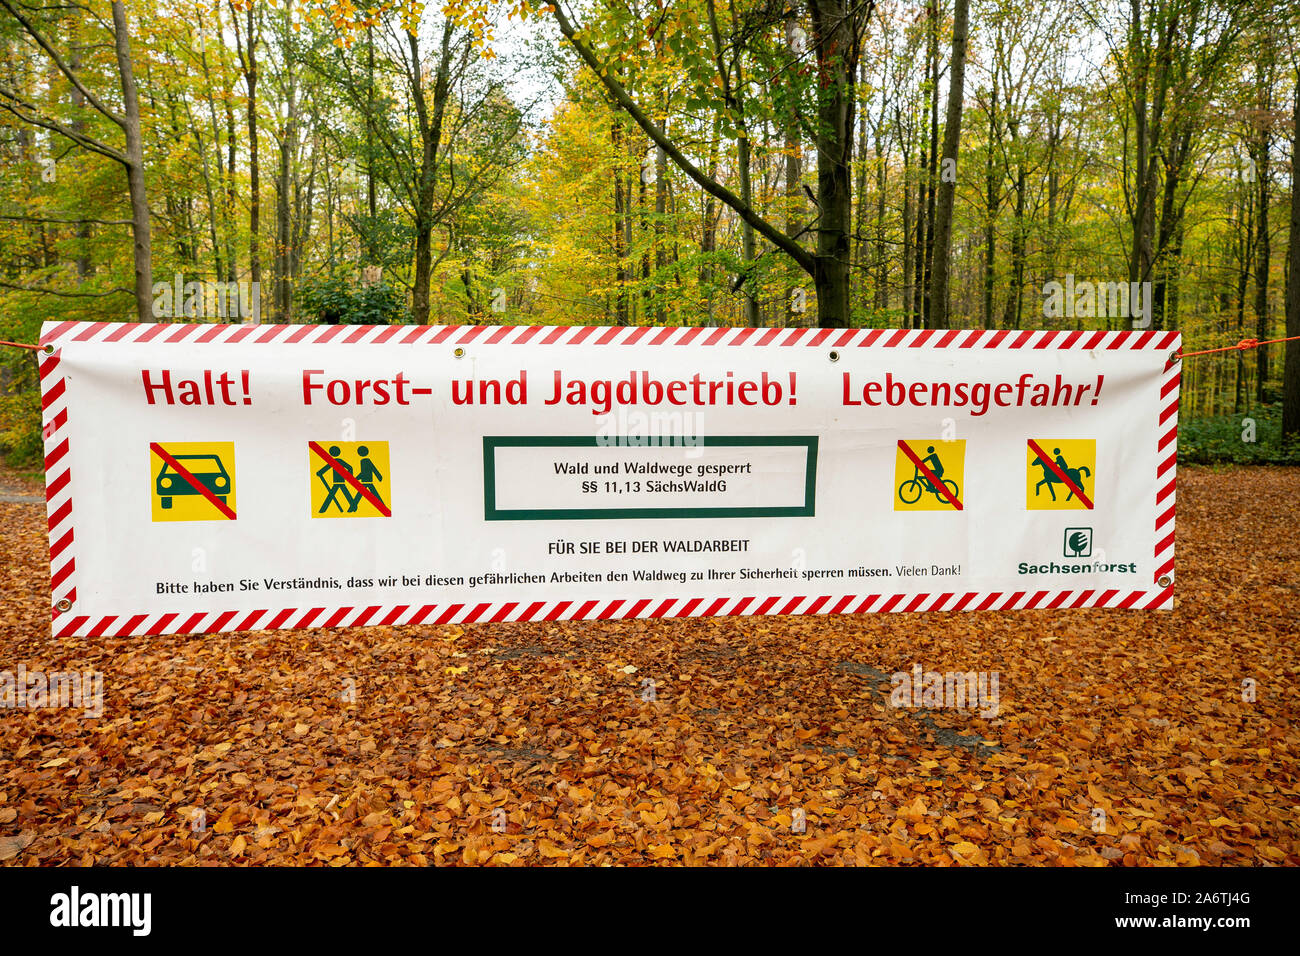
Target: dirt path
(19,489)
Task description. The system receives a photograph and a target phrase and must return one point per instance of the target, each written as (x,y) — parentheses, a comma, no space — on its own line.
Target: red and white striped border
(460,335)
(59,495)
(58,482)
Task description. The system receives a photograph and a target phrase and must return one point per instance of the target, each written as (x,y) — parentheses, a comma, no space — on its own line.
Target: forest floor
(1121,738)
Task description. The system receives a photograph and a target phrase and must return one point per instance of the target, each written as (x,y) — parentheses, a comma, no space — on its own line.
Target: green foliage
(336,300)
(20,428)
(385,239)
(1224,439)
(20,399)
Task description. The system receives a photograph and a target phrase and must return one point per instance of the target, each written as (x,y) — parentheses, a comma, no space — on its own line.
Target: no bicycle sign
(527,473)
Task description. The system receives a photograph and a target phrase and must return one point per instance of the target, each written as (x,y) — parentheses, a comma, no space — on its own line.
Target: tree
(836,34)
(441,131)
(246,43)
(130,156)
(1174,62)
(1291,374)
(948,167)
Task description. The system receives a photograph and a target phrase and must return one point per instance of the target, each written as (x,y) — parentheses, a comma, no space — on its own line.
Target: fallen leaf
(11,846)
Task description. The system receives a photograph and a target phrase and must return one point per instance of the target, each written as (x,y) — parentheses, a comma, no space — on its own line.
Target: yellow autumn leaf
(549,850)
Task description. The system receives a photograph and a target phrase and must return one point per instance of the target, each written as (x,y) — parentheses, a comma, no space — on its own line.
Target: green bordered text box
(492,442)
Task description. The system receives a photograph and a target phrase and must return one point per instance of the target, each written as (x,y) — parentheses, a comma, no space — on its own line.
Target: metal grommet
(1174,357)
(1165,581)
(48,349)
(63,605)
(458,352)
(834,356)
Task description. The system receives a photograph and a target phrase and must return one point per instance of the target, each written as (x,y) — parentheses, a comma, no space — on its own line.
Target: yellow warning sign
(929,475)
(192,480)
(1060,474)
(349,479)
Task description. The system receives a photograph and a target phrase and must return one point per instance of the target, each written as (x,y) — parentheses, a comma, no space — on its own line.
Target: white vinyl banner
(212,478)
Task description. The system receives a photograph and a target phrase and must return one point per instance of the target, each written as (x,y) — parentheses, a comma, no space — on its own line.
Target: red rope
(1242,346)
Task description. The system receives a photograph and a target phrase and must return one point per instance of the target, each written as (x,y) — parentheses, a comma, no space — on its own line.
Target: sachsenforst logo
(1078,543)
(1076,546)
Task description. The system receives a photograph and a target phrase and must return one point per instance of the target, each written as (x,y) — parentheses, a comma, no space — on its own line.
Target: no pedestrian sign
(212,478)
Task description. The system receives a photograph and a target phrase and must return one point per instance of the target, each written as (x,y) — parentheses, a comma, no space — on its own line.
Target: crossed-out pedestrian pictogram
(349,479)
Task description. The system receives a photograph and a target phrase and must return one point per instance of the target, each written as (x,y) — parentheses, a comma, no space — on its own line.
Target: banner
(220,477)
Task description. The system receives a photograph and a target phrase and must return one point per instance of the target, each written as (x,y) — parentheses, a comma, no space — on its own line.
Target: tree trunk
(141,245)
(882,259)
(1263,253)
(254,181)
(304,206)
(1137,55)
(430,125)
(1011,315)
(1291,372)
(1053,188)
(232,263)
(991,204)
(661,248)
(794,208)
(918,242)
(283,218)
(748,278)
(620,250)
(948,167)
(836,42)
(213,193)
(932,96)
(909,286)
(1243,280)
(79,127)
(285,179)
(627,171)
(372,240)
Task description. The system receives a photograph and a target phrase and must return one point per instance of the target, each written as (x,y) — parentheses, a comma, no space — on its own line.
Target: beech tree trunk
(1291,372)
(835,40)
(947,169)
(141,245)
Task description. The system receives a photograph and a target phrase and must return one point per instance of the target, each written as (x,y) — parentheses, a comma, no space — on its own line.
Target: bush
(21,443)
(1225,439)
(336,300)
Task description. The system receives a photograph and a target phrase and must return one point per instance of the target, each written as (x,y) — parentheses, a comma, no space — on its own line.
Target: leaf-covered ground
(540,730)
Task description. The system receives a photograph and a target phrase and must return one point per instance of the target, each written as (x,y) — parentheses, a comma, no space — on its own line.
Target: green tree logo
(1078,542)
